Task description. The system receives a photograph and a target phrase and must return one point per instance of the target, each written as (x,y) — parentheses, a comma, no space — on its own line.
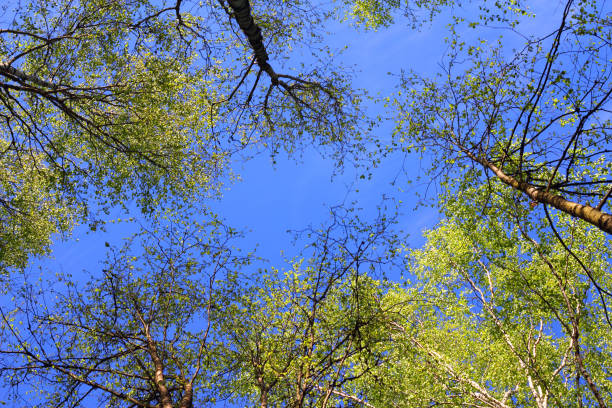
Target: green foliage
(293,337)
(301,336)
(498,317)
(149,312)
(375,14)
(33,213)
(110,104)
(174,319)
(534,116)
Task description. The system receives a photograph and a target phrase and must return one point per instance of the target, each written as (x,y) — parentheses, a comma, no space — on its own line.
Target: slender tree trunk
(160,383)
(187,400)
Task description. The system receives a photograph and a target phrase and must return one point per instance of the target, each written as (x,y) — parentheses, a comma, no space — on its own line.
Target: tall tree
(498,316)
(535,117)
(301,337)
(103,102)
(176,320)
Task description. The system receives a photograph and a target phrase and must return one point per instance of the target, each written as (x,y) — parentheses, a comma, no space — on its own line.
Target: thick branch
(242,13)
(160,381)
(13,73)
(604,199)
(187,400)
(587,213)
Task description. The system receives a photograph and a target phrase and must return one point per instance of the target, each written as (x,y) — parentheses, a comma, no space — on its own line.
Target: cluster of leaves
(499,316)
(300,337)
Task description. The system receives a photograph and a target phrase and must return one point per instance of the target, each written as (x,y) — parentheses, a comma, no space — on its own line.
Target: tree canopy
(535,117)
(105,103)
(150,108)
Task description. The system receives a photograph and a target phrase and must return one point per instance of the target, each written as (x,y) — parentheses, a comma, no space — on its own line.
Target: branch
(593,216)
(347,396)
(242,13)
(480,393)
(603,200)
(12,73)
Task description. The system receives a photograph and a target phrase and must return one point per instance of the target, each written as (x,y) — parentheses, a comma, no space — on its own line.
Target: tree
(103,102)
(173,322)
(508,303)
(301,337)
(498,317)
(536,118)
(139,334)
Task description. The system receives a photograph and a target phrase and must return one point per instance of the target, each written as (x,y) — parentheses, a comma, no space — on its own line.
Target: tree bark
(15,74)
(160,382)
(242,12)
(187,400)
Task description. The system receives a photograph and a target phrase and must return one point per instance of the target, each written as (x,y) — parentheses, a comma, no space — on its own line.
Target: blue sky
(297,192)
(293,193)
